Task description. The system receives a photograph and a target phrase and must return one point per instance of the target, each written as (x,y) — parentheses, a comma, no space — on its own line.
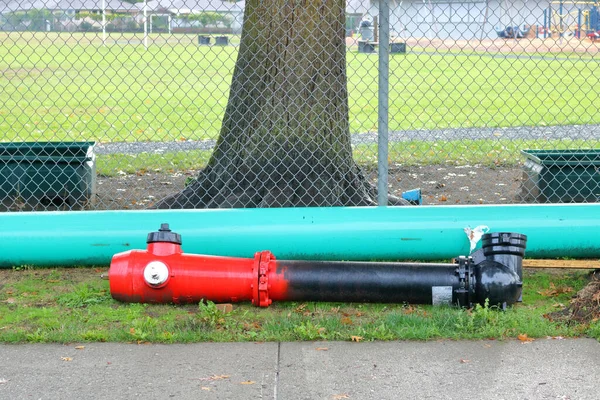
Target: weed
(142,329)
(82,296)
(209,314)
(94,336)
(39,336)
(307,330)
(23,268)
(478,319)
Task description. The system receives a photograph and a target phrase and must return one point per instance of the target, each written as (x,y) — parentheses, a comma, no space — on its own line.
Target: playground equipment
(515,32)
(164,274)
(572,18)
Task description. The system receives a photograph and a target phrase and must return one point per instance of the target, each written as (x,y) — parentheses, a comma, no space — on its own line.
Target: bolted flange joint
(262,260)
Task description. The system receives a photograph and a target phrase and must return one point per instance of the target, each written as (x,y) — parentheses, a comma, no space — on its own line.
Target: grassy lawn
(489,153)
(69,87)
(74,305)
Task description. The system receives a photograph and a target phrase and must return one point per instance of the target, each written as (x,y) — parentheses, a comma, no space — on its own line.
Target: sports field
(68,86)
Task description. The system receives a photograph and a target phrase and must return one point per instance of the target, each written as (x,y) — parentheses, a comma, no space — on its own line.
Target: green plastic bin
(47,175)
(561,176)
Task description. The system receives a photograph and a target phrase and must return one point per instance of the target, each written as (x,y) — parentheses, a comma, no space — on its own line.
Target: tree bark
(285,138)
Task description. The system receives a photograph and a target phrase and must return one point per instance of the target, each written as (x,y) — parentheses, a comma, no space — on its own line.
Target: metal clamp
(465,289)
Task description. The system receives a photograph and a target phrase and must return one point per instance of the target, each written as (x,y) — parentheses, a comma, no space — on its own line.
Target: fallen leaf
(408,310)
(321,349)
(464,361)
(79,347)
(555,291)
(524,338)
(66,358)
(247,383)
(251,325)
(205,388)
(215,378)
(10,300)
(443,198)
(224,308)
(300,308)
(132,331)
(340,396)
(346,321)
(356,338)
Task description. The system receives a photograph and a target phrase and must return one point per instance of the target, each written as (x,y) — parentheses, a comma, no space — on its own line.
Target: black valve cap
(164,234)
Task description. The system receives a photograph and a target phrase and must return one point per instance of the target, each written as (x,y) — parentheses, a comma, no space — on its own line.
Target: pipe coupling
(465,291)
(262,261)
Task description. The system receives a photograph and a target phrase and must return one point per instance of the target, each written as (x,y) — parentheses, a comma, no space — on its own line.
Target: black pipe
(506,248)
(369,282)
(463,283)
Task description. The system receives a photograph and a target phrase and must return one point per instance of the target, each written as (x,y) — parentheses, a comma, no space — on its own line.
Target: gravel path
(584,132)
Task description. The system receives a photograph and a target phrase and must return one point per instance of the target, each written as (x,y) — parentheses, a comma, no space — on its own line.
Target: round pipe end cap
(156,273)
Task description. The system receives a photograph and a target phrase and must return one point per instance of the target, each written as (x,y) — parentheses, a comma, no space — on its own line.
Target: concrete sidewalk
(543,369)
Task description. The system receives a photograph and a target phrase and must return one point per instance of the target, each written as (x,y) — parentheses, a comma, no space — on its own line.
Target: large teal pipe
(377,233)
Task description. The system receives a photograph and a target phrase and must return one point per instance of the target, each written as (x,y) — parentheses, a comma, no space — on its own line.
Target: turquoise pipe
(83,238)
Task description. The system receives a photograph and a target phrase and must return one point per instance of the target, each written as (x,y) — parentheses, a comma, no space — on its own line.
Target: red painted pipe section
(164,274)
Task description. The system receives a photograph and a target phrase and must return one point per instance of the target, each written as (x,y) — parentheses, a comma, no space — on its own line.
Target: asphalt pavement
(582,132)
(511,369)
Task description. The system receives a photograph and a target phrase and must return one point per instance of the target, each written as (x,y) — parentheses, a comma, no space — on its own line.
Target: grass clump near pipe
(67,305)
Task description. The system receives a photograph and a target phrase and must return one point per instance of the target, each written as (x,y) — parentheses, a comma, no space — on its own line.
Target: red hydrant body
(164,274)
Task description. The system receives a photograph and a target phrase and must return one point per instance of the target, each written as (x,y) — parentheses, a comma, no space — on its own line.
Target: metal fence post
(383,101)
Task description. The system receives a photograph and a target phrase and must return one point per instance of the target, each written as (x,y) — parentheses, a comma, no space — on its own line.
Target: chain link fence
(108,104)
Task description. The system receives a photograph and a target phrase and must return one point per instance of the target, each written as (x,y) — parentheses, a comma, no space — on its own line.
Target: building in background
(443,19)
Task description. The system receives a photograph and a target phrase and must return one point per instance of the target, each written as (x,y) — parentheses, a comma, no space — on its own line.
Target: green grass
(115,164)
(69,87)
(74,305)
(489,153)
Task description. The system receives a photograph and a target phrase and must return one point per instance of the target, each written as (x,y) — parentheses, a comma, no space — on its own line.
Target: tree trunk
(285,138)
